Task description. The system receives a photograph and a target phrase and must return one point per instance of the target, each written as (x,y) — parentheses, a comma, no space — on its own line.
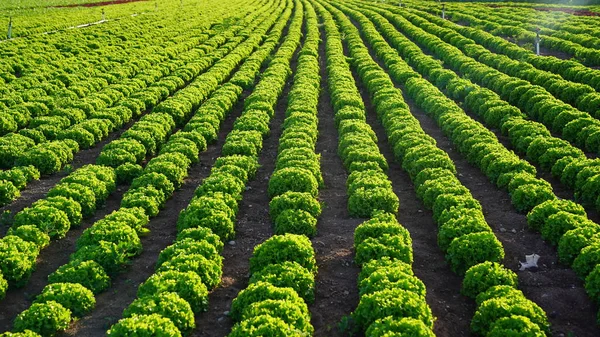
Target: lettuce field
(278,168)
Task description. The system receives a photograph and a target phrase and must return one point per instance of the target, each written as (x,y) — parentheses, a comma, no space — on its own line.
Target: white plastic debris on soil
(530,261)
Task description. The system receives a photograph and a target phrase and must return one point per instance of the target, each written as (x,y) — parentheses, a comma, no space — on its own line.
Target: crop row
(558,220)
(163,173)
(34,90)
(283,267)
(555,24)
(567,69)
(153,86)
(574,44)
(109,243)
(193,260)
(470,246)
(528,137)
(392,299)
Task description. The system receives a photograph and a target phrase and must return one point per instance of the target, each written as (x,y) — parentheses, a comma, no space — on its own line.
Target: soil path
(253,226)
(110,304)
(336,293)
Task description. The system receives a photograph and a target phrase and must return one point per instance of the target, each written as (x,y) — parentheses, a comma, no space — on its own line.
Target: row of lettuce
(528,137)
(66,54)
(125,155)
(470,246)
(577,29)
(94,119)
(568,69)
(31,21)
(45,80)
(391,298)
(531,90)
(110,243)
(571,37)
(283,268)
(213,210)
(561,222)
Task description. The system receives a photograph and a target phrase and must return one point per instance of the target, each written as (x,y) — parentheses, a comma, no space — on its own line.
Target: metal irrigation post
(443,11)
(103,16)
(9,35)
(537,41)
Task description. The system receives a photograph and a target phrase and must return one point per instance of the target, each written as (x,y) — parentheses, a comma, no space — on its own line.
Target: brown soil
(110,304)
(253,226)
(574,11)
(556,288)
(452,310)
(544,51)
(37,189)
(97,4)
(336,289)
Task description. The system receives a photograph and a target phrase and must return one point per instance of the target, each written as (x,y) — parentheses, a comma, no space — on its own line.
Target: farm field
(299,168)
